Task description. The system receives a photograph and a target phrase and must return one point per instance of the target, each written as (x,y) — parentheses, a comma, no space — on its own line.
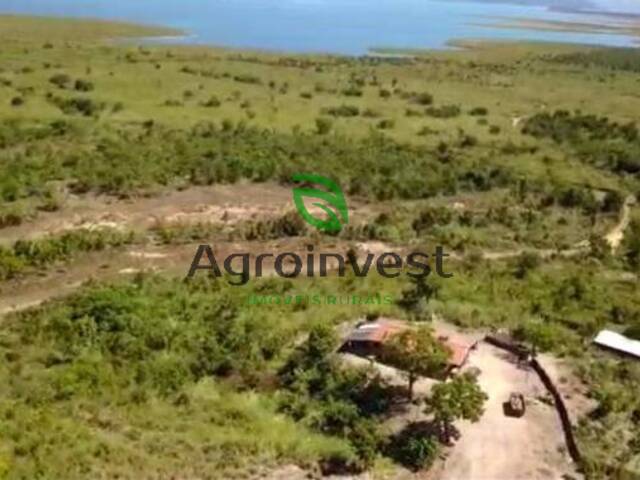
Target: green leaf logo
(334,197)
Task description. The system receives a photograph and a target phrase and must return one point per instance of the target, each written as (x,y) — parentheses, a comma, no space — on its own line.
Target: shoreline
(158,35)
(594,28)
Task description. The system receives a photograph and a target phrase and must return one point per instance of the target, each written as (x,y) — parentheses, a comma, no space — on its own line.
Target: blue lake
(333,26)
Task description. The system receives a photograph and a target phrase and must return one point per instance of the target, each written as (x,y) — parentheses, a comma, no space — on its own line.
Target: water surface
(333,26)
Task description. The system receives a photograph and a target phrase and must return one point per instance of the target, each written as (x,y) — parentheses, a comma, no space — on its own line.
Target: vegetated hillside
(505,155)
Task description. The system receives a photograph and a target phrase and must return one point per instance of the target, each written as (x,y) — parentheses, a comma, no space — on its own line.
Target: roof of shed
(616,341)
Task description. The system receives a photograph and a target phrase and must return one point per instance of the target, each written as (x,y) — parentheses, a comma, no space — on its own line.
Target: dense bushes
(334,398)
(323,125)
(598,140)
(213,102)
(248,78)
(155,356)
(78,105)
(342,111)
(83,85)
(623,59)
(443,112)
(424,99)
(479,112)
(163,334)
(631,246)
(60,80)
(564,126)
(123,161)
(414,447)
(27,254)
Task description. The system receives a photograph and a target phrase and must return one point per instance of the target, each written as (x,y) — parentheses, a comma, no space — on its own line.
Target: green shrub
(248,78)
(425,130)
(48,250)
(78,105)
(467,141)
(424,99)
(342,111)
(60,80)
(370,113)
(83,85)
(352,92)
(414,448)
(633,331)
(323,125)
(479,112)
(386,124)
(543,336)
(445,111)
(173,103)
(288,225)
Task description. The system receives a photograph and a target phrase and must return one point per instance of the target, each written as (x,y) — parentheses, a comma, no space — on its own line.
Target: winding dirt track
(616,235)
(218,204)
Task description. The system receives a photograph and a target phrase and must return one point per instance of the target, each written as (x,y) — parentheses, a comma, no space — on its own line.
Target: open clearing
(505,448)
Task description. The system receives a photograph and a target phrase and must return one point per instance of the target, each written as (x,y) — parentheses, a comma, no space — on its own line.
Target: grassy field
(518,158)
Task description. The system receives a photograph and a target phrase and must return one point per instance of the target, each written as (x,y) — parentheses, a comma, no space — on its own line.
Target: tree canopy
(461,398)
(416,352)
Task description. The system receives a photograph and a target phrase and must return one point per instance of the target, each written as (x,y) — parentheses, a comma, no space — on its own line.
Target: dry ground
(504,448)
(217,204)
(499,447)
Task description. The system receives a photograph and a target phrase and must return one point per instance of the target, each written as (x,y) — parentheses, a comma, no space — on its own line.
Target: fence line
(563,413)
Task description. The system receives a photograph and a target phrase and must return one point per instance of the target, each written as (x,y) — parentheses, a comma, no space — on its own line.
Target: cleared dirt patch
(216,204)
(505,448)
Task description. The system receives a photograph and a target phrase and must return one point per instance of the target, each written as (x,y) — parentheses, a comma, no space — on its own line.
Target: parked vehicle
(515,406)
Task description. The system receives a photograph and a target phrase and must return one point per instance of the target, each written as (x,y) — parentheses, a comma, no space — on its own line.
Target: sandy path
(616,235)
(34,289)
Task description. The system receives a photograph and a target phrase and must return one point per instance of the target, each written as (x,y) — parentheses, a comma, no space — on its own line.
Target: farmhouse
(369,338)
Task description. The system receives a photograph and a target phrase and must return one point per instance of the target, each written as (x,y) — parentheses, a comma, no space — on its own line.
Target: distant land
(614,8)
(564,5)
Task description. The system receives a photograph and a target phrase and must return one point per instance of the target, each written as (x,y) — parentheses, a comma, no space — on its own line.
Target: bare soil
(499,447)
(217,204)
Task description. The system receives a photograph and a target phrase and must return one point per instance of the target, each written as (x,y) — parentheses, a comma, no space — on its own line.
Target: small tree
(416,298)
(312,362)
(323,125)
(461,398)
(632,246)
(416,352)
(526,262)
(414,447)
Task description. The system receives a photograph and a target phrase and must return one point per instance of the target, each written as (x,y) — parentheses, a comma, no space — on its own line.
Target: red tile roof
(383,329)
(459,353)
(377,332)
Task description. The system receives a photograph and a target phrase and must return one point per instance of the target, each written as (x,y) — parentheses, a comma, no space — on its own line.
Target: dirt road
(504,448)
(227,204)
(616,235)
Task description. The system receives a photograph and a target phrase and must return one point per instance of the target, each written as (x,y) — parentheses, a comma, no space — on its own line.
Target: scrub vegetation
(518,159)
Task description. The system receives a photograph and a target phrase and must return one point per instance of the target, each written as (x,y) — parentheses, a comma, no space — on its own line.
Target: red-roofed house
(368,339)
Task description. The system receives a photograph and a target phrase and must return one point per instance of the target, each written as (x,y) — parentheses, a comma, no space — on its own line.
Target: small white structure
(618,342)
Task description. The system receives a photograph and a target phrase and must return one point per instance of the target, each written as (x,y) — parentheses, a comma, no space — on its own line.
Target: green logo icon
(336,216)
